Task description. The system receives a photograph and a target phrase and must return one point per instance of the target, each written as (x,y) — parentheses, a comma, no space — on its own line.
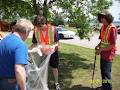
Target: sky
(115,10)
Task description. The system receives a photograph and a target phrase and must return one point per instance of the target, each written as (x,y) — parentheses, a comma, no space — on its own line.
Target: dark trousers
(106,68)
(11,84)
(8,84)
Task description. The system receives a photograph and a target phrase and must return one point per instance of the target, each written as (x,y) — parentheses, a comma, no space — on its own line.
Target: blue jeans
(106,68)
(7,84)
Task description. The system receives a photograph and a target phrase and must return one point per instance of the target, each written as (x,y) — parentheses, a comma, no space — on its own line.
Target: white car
(64,33)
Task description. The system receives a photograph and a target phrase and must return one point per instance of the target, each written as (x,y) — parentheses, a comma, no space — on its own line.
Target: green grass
(75,68)
(28,41)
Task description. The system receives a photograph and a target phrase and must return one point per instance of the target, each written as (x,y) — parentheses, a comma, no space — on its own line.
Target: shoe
(57,86)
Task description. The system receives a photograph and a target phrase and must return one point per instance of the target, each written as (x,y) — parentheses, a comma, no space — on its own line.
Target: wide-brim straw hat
(105,14)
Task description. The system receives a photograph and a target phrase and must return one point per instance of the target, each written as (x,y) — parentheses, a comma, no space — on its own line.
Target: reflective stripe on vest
(105,43)
(37,35)
(49,37)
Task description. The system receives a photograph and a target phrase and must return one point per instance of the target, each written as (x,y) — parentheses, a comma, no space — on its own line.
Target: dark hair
(35,20)
(39,20)
(106,15)
(12,24)
(43,20)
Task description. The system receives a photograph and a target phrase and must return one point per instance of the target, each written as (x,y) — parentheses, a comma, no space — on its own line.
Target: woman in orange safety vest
(46,35)
(106,48)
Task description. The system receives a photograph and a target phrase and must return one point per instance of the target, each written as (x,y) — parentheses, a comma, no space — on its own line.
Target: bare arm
(113,37)
(20,76)
(109,48)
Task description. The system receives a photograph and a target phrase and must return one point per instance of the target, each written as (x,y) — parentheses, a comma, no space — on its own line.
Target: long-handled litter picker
(93,73)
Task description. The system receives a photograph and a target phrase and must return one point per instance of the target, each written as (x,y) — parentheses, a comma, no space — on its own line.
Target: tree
(78,12)
(11,8)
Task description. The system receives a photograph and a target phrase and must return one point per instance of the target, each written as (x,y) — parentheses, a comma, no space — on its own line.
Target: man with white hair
(13,57)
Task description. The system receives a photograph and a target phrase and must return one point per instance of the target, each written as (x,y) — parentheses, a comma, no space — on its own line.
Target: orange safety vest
(48,39)
(105,36)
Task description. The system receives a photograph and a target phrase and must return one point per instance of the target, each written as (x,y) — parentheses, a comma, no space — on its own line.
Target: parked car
(60,25)
(64,33)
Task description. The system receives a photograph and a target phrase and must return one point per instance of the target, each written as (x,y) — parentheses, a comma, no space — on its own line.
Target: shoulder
(113,26)
(16,40)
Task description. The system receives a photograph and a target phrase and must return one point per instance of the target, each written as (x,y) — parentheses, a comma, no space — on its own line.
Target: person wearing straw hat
(106,48)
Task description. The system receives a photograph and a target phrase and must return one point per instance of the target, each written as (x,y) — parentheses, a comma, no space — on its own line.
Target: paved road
(89,44)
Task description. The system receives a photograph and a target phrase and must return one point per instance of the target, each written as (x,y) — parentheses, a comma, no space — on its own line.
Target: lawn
(75,68)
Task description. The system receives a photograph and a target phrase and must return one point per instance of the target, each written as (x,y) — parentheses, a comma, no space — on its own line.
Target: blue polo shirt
(12,51)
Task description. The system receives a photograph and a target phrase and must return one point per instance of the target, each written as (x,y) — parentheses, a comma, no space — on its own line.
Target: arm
(113,37)
(21,59)
(57,38)
(97,49)
(20,76)
(109,48)
(98,46)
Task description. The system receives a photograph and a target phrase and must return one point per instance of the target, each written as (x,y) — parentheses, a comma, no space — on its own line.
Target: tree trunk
(45,9)
(36,8)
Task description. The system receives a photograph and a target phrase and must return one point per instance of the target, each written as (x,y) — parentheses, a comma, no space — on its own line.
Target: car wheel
(61,36)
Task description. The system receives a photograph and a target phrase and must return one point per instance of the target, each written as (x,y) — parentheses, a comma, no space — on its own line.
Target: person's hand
(46,49)
(98,51)
(35,50)
(97,47)
(55,47)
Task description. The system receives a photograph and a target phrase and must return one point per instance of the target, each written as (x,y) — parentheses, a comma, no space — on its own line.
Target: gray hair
(23,25)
